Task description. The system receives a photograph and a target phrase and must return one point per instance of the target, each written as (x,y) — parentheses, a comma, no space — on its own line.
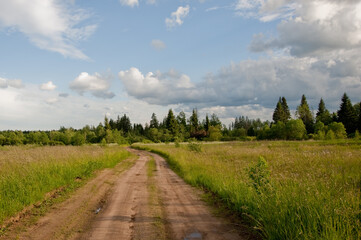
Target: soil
(133,204)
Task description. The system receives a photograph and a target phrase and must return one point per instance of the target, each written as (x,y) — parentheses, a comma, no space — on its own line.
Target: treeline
(346,122)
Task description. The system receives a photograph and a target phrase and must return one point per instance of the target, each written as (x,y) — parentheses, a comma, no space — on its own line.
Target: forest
(345,123)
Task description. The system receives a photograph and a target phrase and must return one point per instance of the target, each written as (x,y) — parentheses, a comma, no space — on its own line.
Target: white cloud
(32,109)
(96,84)
(250,82)
(177,17)
(52,25)
(14,83)
(130,3)
(49,86)
(158,44)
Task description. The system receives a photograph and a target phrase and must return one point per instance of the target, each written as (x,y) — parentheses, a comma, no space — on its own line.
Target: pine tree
(303,112)
(154,121)
(347,114)
(323,115)
(286,110)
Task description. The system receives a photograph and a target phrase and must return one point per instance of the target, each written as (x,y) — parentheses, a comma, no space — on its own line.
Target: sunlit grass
(313,190)
(28,173)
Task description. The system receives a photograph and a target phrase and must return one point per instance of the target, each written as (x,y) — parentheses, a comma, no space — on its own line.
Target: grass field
(28,173)
(296,190)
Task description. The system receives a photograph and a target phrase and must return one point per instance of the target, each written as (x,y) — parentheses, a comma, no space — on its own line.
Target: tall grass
(28,173)
(312,190)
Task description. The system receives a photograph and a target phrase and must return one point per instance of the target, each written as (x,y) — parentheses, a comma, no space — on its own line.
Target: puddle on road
(193,236)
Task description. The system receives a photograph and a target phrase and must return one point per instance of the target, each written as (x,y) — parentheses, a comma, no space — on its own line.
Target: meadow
(284,190)
(29,173)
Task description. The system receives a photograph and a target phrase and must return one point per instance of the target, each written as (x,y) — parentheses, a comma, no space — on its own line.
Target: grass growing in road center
(297,190)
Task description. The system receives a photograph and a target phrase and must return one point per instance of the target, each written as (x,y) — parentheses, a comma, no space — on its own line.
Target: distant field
(28,173)
(299,190)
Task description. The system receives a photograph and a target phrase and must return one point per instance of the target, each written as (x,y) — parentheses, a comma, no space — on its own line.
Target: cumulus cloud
(96,84)
(316,28)
(130,3)
(250,82)
(177,17)
(158,44)
(49,86)
(52,25)
(152,87)
(14,83)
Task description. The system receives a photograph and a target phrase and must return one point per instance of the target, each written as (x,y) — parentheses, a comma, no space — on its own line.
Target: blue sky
(70,63)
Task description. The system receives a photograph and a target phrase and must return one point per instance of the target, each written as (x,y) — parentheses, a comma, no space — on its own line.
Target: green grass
(27,174)
(310,190)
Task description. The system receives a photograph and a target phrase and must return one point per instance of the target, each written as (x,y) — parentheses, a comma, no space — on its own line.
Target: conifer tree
(206,123)
(323,115)
(303,112)
(181,119)
(278,114)
(154,121)
(359,118)
(347,114)
(193,121)
(286,110)
(171,123)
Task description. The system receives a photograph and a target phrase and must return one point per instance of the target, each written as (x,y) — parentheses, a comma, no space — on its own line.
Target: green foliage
(295,130)
(215,133)
(259,174)
(313,190)
(347,115)
(281,112)
(323,115)
(303,112)
(338,130)
(194,147)
(23,183)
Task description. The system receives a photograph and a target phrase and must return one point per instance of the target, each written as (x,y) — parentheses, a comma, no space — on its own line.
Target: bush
(195,147)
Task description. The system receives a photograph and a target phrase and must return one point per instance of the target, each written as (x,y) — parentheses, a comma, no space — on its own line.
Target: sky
(72,62)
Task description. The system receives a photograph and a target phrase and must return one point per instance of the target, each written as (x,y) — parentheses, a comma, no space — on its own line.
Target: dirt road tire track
(135,205)
(188,217)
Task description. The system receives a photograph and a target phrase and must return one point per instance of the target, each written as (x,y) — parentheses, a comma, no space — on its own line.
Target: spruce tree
(303,112)
(323,115)
(206,123)
(193,121)
(359,118)
(278,114)
(347,114)
(286,110)
(154,121)
(171,123)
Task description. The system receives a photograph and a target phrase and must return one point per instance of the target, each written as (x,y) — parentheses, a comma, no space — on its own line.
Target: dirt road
(148,201)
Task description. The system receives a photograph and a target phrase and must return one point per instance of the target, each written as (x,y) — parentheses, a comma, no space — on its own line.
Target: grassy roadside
(42,176)
(302,190)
